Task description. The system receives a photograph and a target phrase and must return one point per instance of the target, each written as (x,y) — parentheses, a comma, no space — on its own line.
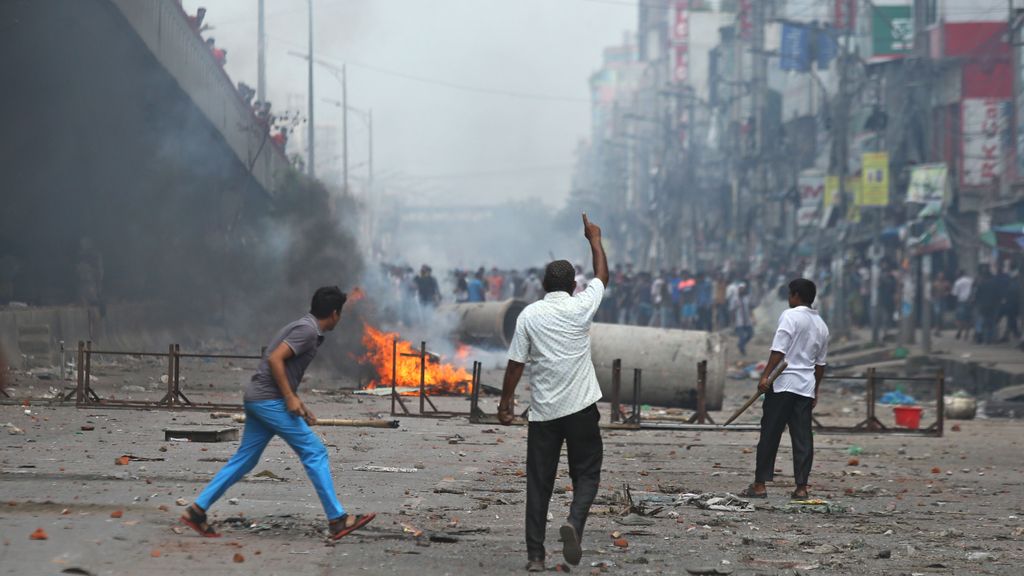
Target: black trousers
(783,409)
(582,436)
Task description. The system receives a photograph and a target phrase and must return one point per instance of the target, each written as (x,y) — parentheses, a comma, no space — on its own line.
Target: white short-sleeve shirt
(553,337)
(803,337)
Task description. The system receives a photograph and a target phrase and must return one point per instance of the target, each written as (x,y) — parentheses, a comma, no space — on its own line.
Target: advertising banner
(985,122)
(875,179)
(811,186)
(928,184)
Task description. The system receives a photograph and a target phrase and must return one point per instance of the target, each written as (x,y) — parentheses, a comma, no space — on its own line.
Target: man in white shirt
(553,336)
(802,341)
(963,290)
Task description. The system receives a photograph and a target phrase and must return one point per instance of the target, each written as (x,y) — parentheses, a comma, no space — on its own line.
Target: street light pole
(261,60)
(310,129)
(344,120)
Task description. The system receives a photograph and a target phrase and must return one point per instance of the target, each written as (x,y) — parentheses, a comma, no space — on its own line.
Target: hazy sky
(439,143)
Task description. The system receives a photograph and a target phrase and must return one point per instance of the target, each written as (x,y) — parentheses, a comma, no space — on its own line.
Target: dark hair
(559,276)
(804,289)
(326,300)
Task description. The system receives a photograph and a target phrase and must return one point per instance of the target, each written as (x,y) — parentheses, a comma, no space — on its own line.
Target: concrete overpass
(120,127)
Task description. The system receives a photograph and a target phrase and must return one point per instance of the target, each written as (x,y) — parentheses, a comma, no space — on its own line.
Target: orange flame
(439,378)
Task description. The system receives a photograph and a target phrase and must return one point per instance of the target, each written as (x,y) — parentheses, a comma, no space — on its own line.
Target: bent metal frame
(870,425)
(174,399)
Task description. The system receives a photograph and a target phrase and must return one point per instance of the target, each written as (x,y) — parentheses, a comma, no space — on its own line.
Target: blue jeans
(263,420)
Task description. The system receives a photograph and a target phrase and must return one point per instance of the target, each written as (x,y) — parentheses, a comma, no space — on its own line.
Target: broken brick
(621,543)
(238,558)
(117,514)
(39,534)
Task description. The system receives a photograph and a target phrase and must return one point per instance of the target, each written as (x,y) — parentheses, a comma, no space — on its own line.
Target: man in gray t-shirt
(273,408)
(303,338)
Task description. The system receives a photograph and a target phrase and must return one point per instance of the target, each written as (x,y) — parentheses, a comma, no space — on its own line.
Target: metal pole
(310,125)
(344,131)
(926,303)
(616,388)
(261,61)
(423,375)
(394,373)
(876,269)
(371,201)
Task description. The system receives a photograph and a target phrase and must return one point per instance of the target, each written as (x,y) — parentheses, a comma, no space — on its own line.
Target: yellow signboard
(831,191)
(875,179)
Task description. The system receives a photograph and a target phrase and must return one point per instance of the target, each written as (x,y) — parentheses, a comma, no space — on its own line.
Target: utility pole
(344,122)
(310,127)
(261,59)
(842,144)
(759,79)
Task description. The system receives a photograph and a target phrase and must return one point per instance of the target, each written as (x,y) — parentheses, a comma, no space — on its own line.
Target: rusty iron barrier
(870,425)
(174,398)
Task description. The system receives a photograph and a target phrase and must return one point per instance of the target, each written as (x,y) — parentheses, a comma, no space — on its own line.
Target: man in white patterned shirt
(553,337)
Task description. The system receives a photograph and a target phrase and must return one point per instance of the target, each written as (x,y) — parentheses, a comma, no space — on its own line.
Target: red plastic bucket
(907,416)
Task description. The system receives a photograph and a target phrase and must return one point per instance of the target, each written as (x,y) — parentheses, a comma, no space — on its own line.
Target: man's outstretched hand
(590,230)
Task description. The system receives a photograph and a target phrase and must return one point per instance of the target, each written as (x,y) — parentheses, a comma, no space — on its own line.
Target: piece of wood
(240,418)
(201,434)
(757,393)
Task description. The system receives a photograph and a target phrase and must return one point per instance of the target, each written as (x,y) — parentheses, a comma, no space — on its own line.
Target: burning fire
(440,378)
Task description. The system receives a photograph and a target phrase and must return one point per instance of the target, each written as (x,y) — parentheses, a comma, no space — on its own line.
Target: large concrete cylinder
(668,359)
(485,324)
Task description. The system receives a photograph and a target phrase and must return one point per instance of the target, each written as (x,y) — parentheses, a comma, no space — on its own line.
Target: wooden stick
(240,418)
(757,393)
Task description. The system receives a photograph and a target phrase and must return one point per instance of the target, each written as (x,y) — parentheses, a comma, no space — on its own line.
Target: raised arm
(592,232)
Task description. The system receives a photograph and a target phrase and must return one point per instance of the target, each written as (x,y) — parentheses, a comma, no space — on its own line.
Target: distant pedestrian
(940,295)
(553,337)
(802,342)
(986,306)
(428,294)
(963,291)
(475,289)
(1011,306)
(743,317)
(273,408)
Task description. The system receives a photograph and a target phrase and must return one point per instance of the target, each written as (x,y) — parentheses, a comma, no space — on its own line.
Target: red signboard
(845,12)
(745,19)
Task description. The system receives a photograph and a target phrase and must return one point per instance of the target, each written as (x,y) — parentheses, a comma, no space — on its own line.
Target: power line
(520,171)
(445,83)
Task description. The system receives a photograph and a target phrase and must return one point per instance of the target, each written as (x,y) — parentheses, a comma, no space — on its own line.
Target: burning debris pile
(439,377)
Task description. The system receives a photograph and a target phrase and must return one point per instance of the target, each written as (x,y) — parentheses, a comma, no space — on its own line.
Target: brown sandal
(196,520)
(358,522)
(749,492)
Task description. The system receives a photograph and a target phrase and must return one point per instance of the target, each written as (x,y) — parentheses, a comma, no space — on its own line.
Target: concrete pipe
(485,324)
(668,358)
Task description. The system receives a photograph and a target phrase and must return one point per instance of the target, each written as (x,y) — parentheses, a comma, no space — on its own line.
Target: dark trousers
(783,409)
(582,436)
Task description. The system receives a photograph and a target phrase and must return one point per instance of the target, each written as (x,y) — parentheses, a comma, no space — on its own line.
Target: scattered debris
(269,475)
(725,502)
(117,514)
(708,571)
(621,543)
(39,534)
(384,469)
(181,502)
(238,558)
(13,430)
(201,434)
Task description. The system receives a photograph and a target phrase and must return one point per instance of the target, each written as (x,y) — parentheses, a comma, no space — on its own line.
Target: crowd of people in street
(983,307)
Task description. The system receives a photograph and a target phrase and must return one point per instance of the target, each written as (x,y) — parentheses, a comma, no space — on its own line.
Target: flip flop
(749,492)
(360,521)
(197,521)
(796,495)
